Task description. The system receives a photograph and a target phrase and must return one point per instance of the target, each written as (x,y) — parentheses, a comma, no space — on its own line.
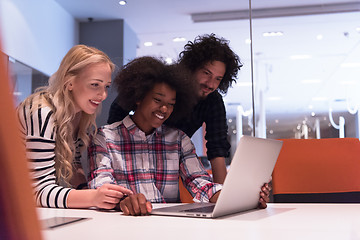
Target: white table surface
(278,221)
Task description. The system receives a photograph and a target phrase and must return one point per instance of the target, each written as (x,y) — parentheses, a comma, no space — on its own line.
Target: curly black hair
(139,76)
(208,48)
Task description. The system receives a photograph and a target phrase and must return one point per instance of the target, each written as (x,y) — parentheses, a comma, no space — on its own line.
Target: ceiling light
(319,37)
(122,3)
(179,39)
(300,57)
(273,34)
(313,114)
(148,44)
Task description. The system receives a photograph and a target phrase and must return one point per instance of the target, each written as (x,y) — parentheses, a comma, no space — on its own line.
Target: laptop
(251,167)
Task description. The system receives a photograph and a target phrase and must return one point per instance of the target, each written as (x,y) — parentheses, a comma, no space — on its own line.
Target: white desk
(278,221)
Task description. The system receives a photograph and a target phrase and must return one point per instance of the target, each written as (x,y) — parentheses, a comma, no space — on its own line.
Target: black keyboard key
(207,209)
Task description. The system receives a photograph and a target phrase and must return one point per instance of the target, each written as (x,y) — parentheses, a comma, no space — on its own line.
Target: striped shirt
(150,164)
(39,135)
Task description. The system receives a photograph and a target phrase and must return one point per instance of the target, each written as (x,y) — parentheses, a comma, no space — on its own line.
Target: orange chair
(185,196)
(18,218)
(318,170)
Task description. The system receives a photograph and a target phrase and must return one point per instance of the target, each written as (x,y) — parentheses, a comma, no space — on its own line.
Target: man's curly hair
(208,48)
(139,76)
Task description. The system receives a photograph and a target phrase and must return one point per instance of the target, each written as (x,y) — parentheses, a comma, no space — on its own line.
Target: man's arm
(219,170)
(216,135)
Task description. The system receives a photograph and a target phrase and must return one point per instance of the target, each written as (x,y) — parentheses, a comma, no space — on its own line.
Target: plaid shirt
(121,153)
(210,111)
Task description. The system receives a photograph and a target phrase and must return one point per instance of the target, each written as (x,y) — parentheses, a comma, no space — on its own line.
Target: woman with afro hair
(142,153)
(213,68)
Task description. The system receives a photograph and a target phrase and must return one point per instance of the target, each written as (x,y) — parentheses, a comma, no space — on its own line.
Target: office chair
(318,171)
(18,219)
(185,196)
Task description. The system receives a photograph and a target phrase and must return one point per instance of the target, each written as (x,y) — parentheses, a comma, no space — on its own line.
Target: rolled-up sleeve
(100,162)
(194,176)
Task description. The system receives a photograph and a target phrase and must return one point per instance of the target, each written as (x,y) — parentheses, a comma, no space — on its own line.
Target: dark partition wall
(117,40)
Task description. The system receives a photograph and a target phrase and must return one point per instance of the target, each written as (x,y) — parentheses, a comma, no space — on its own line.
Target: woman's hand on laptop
(135,205)
(264,195)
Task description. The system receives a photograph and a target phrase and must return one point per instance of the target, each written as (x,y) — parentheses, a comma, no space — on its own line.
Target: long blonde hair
(58,97)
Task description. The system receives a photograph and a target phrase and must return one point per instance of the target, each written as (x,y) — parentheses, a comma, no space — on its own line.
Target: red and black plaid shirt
(150,164)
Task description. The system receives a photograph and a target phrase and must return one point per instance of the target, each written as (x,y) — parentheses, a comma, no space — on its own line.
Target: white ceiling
(277,76)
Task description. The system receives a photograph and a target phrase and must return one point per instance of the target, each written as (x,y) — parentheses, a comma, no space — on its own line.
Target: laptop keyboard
(207,209)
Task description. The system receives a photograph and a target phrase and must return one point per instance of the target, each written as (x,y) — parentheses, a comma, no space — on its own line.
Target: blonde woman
(57,122)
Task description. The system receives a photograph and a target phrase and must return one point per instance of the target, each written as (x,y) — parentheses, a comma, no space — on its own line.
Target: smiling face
(155,108)
(209,77)
(90,87)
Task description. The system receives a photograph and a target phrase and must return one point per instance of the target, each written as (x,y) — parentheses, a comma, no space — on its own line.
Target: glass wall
(303,61)
(24,79)
(306,76)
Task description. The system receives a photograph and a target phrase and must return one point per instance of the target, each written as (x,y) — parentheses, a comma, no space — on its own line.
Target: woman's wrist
(82,198)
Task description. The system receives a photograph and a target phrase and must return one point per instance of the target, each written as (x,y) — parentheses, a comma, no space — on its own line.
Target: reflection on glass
(306,76)
(24,79)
